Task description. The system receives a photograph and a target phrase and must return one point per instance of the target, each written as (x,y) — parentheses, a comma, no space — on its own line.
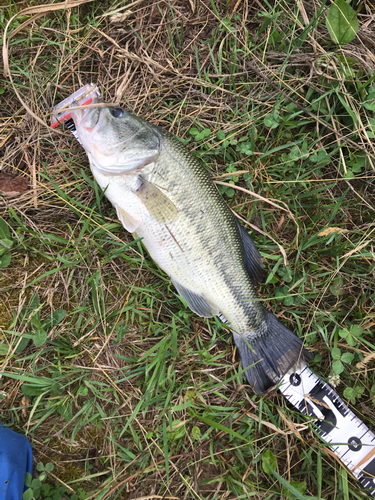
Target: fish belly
(178,250)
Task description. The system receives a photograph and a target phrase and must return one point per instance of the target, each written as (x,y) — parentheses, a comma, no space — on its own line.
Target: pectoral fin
(129,222)
(195,301)
(156,202)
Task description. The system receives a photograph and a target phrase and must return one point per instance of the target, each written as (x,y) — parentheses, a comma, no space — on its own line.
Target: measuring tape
(347,436)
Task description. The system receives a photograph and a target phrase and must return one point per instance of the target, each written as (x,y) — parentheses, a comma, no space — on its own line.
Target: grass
(114,381)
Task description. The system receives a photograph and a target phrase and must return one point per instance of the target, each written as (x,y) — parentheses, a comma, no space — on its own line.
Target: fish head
(116,141)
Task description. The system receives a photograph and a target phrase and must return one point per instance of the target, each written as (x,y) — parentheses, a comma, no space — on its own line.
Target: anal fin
(196,302)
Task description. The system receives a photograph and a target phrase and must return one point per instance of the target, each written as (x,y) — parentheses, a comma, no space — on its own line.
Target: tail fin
(274,350)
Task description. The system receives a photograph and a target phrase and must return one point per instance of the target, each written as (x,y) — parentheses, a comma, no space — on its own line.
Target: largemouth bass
(165,196)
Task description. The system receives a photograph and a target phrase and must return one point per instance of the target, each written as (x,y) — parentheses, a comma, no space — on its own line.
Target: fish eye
(118,112)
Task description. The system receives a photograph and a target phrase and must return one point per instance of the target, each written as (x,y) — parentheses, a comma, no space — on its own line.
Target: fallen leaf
(120,18)
(180,424)
(279,225)
(292,427)
(357,249)
(365,360)
(11,185)
(331,230)
(316,401)
(24,402)
(233,6)
(267,424)
(192,5)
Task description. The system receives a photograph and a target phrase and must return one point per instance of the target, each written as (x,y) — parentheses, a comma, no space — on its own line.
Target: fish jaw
(112,148)
(110,169)
(86,117)
(90,123)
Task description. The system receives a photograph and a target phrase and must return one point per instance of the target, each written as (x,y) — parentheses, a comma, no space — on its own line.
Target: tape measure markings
(335,421)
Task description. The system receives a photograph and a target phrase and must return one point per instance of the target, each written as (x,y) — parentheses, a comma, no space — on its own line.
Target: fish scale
(220,259)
